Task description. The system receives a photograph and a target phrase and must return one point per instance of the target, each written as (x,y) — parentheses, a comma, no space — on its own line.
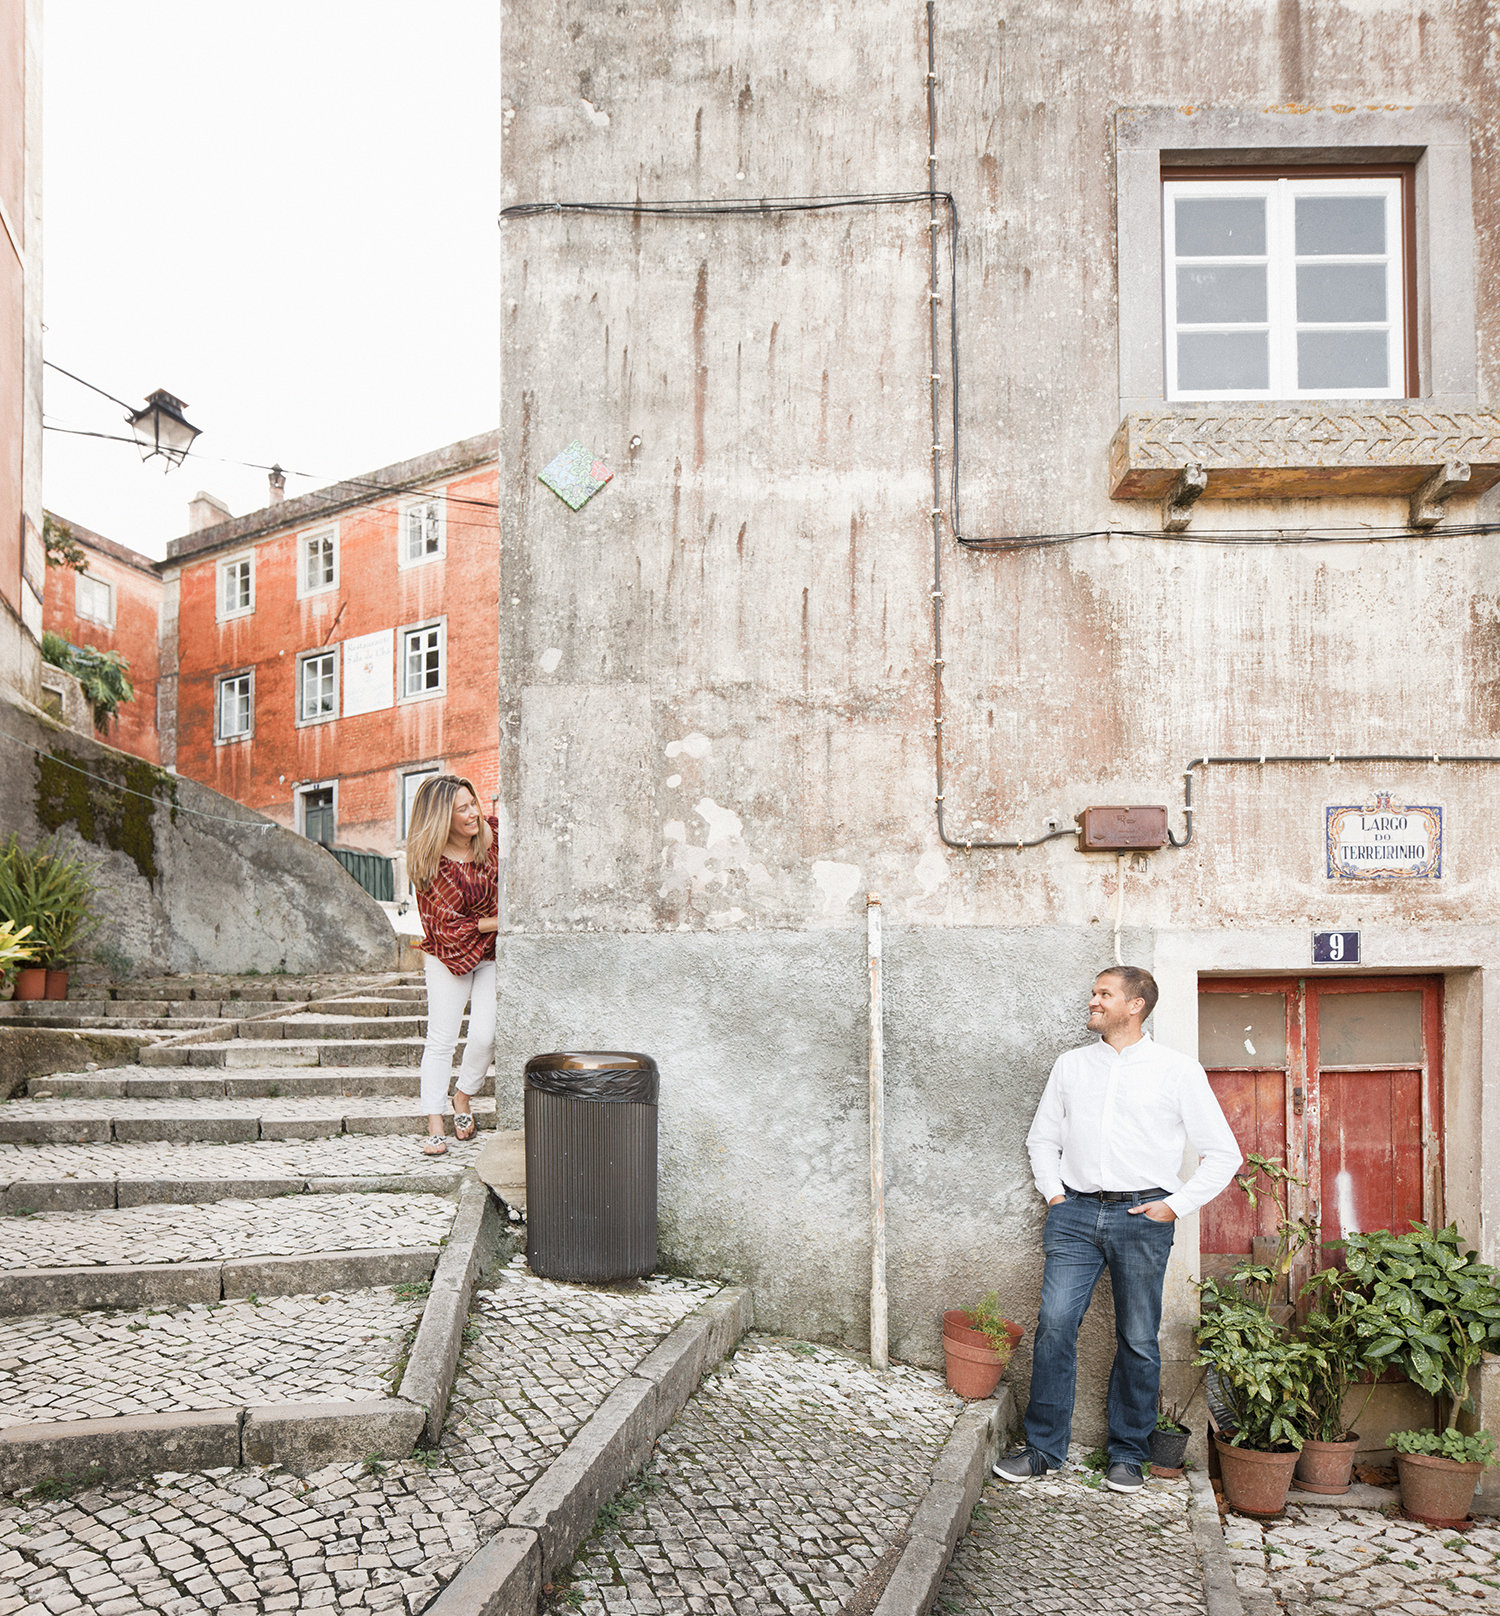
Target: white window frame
(299,805)
(248,733)
(331,653)
(305,541)
(440,624)
(1282,326)
(1437,139)
(225,612)
(84,584)
(405,510)
(426,771)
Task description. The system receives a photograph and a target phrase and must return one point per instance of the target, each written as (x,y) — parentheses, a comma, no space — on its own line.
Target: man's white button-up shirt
(1121,1121)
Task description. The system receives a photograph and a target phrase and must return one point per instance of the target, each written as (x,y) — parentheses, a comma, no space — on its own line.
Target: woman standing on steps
(453,862)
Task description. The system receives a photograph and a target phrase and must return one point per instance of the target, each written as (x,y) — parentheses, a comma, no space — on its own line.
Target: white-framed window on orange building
(424,530)
(94,599)
(411,783)
(237,586)
(318,686)
(1284,286)
(317,561)
(424,660)
(234,707)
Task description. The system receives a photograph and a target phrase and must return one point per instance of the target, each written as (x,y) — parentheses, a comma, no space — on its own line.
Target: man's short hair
(1138,984)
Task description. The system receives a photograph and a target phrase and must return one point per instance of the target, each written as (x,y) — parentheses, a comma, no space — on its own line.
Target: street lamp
(162,429)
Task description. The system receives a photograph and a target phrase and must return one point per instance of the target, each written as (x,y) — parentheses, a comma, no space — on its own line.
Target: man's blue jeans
(1082,1239)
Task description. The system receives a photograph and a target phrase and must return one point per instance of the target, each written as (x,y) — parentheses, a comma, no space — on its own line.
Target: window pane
(1330,359)
(1214,361)
(1223,294)
(1242,1029)
(1340,224)
(1341,293)
(1370,1029)
(1221,227)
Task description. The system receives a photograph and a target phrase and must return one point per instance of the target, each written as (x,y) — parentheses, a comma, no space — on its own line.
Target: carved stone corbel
(1429,505)
(1177,507)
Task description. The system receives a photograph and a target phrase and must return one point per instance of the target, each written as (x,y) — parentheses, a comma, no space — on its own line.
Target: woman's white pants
(447,995)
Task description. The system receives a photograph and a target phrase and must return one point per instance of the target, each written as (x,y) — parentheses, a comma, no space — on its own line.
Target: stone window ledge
(1281,451)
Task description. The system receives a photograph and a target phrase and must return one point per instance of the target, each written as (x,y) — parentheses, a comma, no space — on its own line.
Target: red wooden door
(1341,1079)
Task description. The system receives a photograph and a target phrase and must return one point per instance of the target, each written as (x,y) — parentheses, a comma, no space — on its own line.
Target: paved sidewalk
(780,1485)
(1066,1545)
(285,1226)
(1357,1562)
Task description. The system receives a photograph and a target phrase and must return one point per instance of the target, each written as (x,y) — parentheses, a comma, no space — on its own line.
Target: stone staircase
(259,1353)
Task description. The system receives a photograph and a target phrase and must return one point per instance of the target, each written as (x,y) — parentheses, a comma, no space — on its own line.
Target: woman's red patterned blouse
(452,904)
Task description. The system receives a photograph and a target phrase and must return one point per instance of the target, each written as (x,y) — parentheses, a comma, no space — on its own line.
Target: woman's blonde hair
(430,822)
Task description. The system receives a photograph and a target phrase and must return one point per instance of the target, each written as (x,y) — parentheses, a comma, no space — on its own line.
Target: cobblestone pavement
(540,1358)
(1067,1545)
(287,1349)
(282,1227)
(344,1156)
(779,1486)
(1358,1561)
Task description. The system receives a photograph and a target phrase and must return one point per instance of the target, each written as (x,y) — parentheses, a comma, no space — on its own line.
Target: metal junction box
(1122,830)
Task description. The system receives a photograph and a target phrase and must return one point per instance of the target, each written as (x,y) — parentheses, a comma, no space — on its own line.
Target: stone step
(104,1120)
(332,1027)
(53,1178)
(284,1226)
(153,1026)
(50,1012)
(249,1052)
(137,1083)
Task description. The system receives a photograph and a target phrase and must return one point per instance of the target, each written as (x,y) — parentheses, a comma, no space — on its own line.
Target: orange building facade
(114,606)
(325,655)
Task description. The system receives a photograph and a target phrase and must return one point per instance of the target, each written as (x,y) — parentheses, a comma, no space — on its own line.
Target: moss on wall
(112,802)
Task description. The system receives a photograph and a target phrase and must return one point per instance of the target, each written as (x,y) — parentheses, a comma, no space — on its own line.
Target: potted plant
(1432,1311)
(1326,1463)
(977,1344)
(1262,1373)
(1168,1441)
(48,891)
(15,951)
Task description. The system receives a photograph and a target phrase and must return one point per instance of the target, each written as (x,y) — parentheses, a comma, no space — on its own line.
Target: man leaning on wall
(1105,1145)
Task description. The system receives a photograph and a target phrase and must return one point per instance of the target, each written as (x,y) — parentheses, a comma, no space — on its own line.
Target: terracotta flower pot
(1326,1467)
(1168,1449)
(1438,1491)
(57,984)
(973,1365)
(1255,1483)
(31,983)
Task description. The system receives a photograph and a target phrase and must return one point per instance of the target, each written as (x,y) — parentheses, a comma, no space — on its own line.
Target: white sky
(284,213)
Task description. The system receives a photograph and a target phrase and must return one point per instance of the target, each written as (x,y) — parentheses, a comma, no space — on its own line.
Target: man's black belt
(1119,1195)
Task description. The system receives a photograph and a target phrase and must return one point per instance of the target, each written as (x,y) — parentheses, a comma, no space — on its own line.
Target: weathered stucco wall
(189,881)
(716,677)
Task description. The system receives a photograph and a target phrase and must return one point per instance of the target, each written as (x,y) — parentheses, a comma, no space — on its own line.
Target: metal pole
(880,1352)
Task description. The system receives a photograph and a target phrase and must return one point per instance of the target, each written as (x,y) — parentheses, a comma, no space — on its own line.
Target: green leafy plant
(1450,1444)
(48,891)
(986,1317)
(1265,1376)
(104,675)
(1432,1311)
(15,951)
(1335,1328)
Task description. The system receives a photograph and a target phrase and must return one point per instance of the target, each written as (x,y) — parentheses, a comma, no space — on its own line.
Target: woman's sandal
(463,1125)
(435,1146)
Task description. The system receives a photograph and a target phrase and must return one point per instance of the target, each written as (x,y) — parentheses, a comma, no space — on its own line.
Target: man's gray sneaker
(1124,1478)
(1023,1465)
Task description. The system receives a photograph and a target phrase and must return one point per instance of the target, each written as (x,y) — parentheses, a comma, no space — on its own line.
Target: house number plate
(1335,948)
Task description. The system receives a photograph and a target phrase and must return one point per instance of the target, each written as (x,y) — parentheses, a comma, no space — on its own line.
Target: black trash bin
(591,1165)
